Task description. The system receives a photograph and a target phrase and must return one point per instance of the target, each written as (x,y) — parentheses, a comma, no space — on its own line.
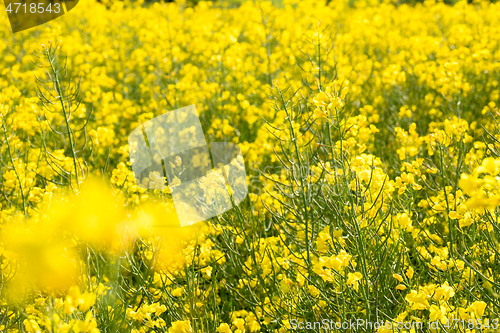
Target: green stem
(65,114)
(301,185)
(14,167)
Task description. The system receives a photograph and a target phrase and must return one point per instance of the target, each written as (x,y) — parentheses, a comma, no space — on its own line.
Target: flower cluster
(369,131)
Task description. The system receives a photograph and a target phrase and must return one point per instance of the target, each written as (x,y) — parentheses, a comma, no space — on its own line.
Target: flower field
(371,143)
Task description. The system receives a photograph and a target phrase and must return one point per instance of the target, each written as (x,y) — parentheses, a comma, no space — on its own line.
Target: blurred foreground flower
(96,217)
(40,260)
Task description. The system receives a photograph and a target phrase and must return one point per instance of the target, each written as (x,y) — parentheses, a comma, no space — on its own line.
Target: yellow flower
(478,308)
(417,300)
(404,221)
(224,328)
(75,299)
(43,261)
(444,293)
(353,279)
(31,326)
(463,314)
(180,326)
(318,113)
(410,272)
(490,166)
(398,277)
(468,184)
(321,99)
(94,216)
(437,313)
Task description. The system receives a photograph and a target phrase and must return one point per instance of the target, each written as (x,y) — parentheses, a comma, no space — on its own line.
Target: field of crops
(371,143)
